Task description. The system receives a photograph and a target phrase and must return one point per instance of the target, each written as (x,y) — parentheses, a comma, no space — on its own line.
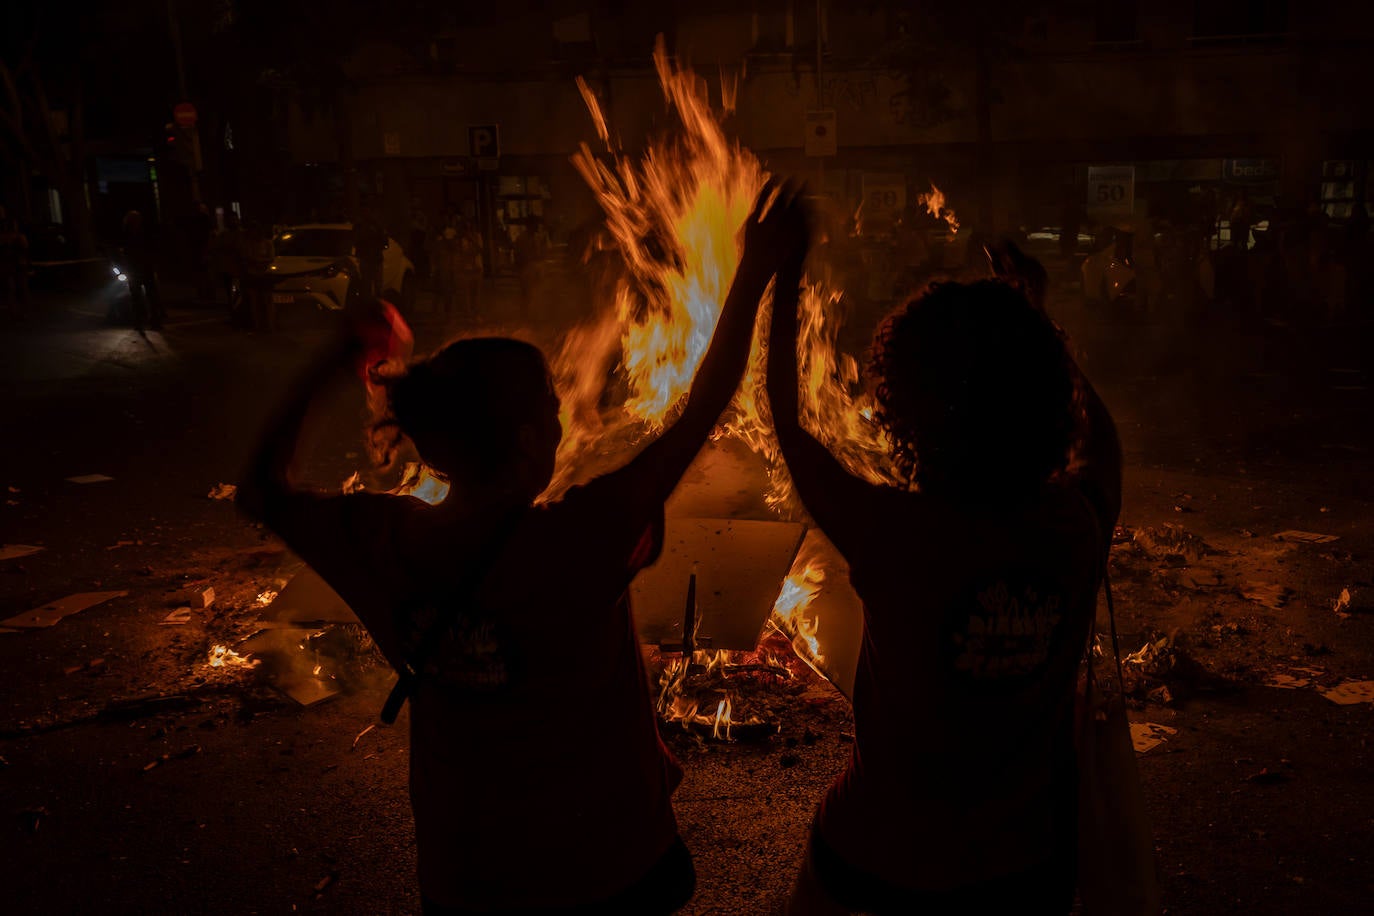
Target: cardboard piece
(223,491)
(89,478)
(1306,537)
(15,551)
(1146,736)
(1350,693)
(307,600)
(740,566)
(51,613)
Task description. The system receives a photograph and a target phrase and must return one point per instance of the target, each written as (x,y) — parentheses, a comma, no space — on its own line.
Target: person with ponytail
(538,780)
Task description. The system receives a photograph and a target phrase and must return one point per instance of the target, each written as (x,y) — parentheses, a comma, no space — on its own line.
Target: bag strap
(408,675)
(1111,607)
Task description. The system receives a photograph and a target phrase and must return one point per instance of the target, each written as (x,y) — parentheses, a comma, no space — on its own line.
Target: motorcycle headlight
(120,275)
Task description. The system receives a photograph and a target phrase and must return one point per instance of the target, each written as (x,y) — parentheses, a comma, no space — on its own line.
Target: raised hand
(1011,263)
(777,234)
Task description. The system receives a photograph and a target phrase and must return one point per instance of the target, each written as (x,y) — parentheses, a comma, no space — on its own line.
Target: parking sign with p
(484,141)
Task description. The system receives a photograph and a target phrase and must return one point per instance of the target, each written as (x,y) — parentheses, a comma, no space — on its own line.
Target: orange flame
(934,202)
(225,657)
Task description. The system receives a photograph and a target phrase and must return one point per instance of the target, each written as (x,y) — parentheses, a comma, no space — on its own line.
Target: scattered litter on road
(360,736)
(92,665)
(1267,594)
(89,478)
(178,618)
(1267,777)
(1146,736)
(223,491)
(49,614)
(324,882)
(306,691)
(1306,537)
(206,596)
(15,551)
(1295,678)
(1350,602)
(191,751)
(30,818)
(1350,693)
(265,598)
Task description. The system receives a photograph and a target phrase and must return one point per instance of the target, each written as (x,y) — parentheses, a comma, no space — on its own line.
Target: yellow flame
(420,481)
(935,205)
(225,657)
(722,719)
(799,589)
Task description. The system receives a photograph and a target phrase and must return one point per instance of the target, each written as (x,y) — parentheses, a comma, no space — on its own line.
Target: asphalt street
(135,777)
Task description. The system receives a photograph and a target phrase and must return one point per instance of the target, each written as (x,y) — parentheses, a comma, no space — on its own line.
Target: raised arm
(268,484)
(773,228)
(829,492)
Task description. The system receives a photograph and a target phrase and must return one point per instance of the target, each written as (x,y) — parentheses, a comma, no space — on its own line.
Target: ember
(225,657)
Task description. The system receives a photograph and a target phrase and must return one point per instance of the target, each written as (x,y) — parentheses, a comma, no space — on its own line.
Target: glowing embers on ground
(225,657)
(722,695)
(728,695)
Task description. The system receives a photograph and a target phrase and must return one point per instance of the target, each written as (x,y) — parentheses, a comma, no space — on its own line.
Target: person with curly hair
(502,613)
(978,575)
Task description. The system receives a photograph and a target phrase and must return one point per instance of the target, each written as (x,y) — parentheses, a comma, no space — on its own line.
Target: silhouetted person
(226,263)
(531,247)
(200,226)
(14,267)
(470,270)
(140,266)
(419,241)
(516,810)
(979,576)
(258,254)
(369,243)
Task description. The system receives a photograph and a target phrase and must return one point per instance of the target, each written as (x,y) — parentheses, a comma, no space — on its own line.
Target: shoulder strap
(407,676)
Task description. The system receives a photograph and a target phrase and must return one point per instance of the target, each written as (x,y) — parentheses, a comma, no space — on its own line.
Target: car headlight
(120,275)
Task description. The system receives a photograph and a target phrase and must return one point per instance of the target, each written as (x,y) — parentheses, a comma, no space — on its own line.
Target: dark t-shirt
(537,775)
(962,768)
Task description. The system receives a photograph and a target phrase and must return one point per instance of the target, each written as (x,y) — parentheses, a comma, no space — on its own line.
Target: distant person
(200,227)
(531,247)
(471,267)
(258,254)
(14,267)
(979,576)
(1070,223)
(419,241)
(226,263)
(517,808)
(140,266)
(447,268)
(369,244)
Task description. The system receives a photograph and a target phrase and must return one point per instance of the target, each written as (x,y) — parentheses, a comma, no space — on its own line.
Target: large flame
(675,214)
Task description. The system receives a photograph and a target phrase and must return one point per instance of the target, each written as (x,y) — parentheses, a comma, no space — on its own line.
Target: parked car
(316,265)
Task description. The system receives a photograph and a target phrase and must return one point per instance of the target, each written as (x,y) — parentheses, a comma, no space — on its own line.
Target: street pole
(174,27)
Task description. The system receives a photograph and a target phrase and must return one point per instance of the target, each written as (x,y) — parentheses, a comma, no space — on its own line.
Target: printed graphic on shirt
(471,655)
(1003,631)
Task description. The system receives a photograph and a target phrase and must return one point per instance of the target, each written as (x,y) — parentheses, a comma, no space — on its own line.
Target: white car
(316,265)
